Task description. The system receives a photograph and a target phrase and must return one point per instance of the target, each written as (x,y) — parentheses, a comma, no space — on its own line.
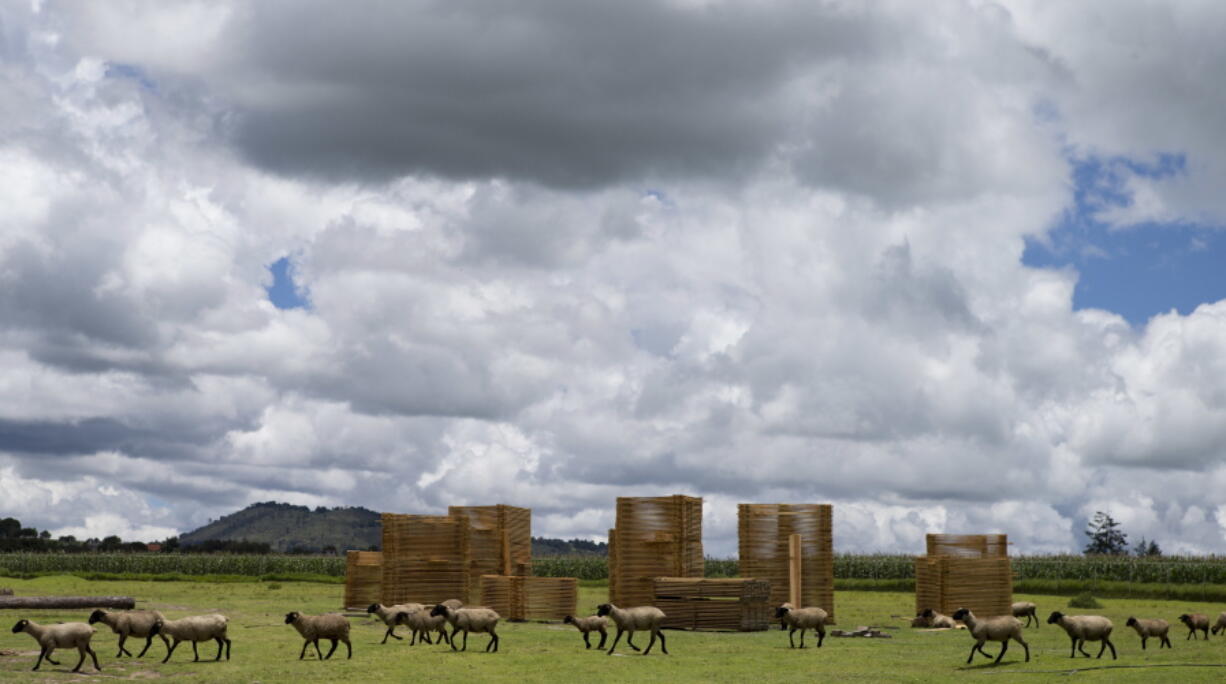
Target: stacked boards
(965,571)
(363,579)
(712,604)
(517,597)
(655,537)
(499,540)
(765,531)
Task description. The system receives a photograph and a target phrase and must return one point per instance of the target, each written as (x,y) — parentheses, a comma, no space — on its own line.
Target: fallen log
(57,602)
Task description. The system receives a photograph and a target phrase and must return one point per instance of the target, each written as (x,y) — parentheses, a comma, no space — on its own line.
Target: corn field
(1162,570)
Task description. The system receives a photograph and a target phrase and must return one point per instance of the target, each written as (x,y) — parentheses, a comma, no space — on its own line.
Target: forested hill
(285,527)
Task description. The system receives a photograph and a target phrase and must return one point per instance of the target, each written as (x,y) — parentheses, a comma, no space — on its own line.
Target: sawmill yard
(265,649)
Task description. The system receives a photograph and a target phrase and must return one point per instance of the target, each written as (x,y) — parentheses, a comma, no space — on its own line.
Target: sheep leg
(971,658)
(348,649)
(792,644)
(51,660)
(170,648)
(392,631)
(663,647)
(304,648)
(982,652)
(41,654)
(148,643)
(1165,642)
(94,656)
(821,636)
(220,644)
(1143,640)
(465,640)
(603,635)
(1106,643)
(630,640)
(615,640)
(587,641)
(1025,645)
(81,650)
(442,636)
(1191,633)
(318,653)
(1004,646)
(195,653)
(331,650)
(122,650)
(650,642)
(493,642)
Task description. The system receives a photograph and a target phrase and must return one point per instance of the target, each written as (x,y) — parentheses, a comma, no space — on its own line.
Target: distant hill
(286,527)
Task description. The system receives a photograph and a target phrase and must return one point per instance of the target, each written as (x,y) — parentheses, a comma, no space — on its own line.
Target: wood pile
(363,579)
(764,533)
(972,571)
(425,559)
(654,537)
(517,597)
(713,604)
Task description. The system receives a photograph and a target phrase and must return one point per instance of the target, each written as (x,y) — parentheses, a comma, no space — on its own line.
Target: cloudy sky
(953,266)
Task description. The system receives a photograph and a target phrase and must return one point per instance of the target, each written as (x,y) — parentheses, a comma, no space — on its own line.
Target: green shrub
(1084,600)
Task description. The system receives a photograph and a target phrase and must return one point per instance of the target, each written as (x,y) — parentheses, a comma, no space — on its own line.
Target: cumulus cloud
(560,255)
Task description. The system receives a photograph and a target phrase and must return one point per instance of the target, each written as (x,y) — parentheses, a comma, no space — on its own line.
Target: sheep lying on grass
(930,618)
(1083,628)
(1195,622)
(1000,628)
(1028,610)
(803,619)
(1151,628)
(332,626)
(195,628)
(477,620)
(587,625)
(67,635)
(135,623)
(631,620)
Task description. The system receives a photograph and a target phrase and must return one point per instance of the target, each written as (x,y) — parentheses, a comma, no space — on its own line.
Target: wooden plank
(795,595)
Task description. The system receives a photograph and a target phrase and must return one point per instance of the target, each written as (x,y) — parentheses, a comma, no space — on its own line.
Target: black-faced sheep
(1151,628)
(1028,610)
(587,625)
(67,635)
(332,626)
(1195,622)
(135,623)
(631,620)
(803,619)
(195,629)
(1083,628)
(479,620)
(1000,628)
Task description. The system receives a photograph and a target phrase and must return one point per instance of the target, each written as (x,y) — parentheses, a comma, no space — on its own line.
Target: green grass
(266,650)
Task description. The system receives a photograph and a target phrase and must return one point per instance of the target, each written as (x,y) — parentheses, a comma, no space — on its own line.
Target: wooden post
(506,553)
(794,567)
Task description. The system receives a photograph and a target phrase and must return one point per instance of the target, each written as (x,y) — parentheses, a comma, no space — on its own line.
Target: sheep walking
(1028,610)
(1151,628)
(421,623)
(332,626)
(631,620)
(803,619)
(136,623)
(195,628)
(1000,628)
(1220,625)
(67,635)
(1083,628)
(1195,622)
(479,620)
(388,615)
(587,625)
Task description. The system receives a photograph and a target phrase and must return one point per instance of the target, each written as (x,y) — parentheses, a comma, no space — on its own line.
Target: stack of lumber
(967,571)
(425,559)
(654,537)
(363,579)
(517,597)
(764,532)
(710,604)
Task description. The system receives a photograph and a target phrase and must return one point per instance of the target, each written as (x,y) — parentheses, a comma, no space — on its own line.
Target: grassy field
(266,650)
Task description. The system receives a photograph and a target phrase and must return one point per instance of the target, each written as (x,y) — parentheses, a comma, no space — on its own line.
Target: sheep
(1028,610)
(783,624)
(388,615)
(194,628)
(1220,625)
(421,622)
(331,626)
(1194,622)
(1000,628)
(470,620)
(632,620)
(930,618)
(803,619)
(1151,628)
(67,635)
(587,625)
(137,623)
(1083,628)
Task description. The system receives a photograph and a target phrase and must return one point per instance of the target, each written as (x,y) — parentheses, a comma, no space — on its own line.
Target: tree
(1144,548)
(1106,539)
(10,528)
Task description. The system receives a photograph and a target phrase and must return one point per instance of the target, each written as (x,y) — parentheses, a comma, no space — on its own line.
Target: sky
(951,266)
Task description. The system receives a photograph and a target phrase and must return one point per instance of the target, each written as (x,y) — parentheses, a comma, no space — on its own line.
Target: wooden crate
(425,559)
(713,604)
(517,597)
(764,531)
(654,537)
(965,571)
(363,579)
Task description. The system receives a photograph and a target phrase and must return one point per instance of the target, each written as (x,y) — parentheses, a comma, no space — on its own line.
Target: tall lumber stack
(655,537)
(965,571)
(363,579)
(425,559)
(765,531)
(500,540)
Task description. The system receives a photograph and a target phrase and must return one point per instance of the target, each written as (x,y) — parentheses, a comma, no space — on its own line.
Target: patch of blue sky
(1135,271)
(285,293)
(128,71)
